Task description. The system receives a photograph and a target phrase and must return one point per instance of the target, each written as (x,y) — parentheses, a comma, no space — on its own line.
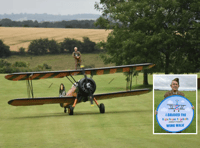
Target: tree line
(89,24)
(20,66)
(48,17)
(46,46)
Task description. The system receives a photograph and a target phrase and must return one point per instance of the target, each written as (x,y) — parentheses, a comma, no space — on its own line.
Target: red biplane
(82,90)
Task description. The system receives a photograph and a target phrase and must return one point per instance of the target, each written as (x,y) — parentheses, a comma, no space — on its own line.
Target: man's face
(174,86)
(75,49)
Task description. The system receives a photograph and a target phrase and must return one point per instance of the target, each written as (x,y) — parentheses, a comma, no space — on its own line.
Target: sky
(56,7)
(186,82)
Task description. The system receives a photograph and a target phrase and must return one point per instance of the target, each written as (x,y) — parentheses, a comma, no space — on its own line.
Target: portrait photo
(175,104)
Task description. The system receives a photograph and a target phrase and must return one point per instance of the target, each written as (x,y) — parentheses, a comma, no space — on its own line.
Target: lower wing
(40,101)
(70,100)
(121,94)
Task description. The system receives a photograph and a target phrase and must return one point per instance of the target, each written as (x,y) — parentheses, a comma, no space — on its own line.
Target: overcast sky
(62,7)
(186,82)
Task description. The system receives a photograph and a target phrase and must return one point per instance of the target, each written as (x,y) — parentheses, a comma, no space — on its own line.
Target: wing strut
(29,88)
(71,80)
(131,75)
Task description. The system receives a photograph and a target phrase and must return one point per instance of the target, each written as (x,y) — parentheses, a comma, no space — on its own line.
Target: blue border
(161,103)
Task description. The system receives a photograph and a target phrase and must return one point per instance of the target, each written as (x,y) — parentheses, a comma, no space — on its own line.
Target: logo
(175,113)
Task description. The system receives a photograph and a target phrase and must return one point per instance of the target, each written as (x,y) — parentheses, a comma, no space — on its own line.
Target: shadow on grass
(81,114)
(142,86)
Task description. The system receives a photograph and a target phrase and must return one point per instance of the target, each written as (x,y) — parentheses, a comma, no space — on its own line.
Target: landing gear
(70,110)
(71,107)
(102,108)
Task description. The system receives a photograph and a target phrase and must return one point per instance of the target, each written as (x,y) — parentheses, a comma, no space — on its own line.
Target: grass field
(59,62)
(128,121)
(17,37)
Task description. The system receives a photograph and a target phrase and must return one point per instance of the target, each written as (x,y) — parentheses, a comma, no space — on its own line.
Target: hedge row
(6,67)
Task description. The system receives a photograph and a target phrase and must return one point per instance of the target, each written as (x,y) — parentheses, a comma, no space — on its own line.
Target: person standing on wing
(77,56)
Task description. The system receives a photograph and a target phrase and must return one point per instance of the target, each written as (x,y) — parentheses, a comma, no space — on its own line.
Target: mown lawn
(59,61)
(128,121)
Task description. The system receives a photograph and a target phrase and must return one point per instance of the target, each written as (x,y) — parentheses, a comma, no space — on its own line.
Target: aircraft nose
(88,85)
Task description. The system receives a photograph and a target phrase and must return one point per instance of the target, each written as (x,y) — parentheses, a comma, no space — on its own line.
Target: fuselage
(71,92)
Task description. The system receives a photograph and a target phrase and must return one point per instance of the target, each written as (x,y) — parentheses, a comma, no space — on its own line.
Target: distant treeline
(46,46)
(62,24)
(49,17)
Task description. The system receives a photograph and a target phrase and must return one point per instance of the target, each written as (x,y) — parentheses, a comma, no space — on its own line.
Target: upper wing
(121,94)
(41,101)
(90,71)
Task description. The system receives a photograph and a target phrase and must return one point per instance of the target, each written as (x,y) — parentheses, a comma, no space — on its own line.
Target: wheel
(102,108)
(70,110)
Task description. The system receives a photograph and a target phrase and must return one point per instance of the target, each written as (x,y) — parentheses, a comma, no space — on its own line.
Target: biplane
(81,91)
(176,106)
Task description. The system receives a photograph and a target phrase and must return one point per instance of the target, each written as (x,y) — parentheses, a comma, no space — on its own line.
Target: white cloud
(170,102)
(187,109)
(164,109)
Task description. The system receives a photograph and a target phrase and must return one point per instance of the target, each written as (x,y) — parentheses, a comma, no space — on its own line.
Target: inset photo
(175,104)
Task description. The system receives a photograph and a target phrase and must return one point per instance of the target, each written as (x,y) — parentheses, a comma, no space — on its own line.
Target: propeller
(88,86)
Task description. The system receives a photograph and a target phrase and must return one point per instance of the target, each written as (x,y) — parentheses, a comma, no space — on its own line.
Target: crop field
(127,122)
(17,37)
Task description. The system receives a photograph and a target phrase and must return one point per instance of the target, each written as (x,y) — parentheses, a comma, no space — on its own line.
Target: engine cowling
(87,87)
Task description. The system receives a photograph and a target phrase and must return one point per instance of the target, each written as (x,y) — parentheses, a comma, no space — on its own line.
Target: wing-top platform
(89,71)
